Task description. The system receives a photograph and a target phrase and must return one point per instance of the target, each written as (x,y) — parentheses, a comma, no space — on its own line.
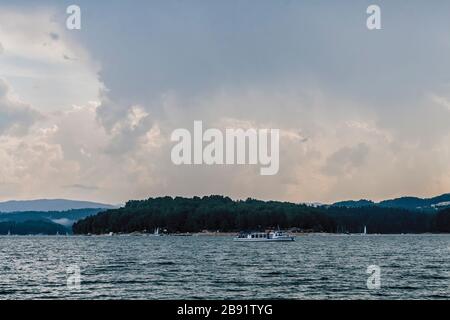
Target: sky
(87,114)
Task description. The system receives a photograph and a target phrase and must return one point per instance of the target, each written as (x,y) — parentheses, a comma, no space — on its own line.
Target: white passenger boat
(273,236)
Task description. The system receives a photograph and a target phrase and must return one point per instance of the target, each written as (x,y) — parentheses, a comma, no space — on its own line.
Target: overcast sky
(87,114)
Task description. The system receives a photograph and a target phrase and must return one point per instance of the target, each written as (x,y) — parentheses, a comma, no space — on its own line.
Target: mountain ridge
(44,205)
(406,202)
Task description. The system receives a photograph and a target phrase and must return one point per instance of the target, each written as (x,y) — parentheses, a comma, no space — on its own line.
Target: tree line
(219,213)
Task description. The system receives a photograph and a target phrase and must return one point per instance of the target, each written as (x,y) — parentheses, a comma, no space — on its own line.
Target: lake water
(138,267)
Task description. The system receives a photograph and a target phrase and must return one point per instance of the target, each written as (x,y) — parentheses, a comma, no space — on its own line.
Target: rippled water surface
(312,267)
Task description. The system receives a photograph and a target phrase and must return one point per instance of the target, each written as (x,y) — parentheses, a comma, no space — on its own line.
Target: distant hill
(45,216)
(32,227)
(418,203)
(43,222)
(410,203)
(354,204)
(66,218)
(50,205)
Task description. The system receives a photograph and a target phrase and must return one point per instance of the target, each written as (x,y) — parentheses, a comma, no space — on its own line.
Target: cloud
(346,159)
(16,117)
(54,36)
(357,119)
(35,62)
(82,187)
(441,101)
(66,57)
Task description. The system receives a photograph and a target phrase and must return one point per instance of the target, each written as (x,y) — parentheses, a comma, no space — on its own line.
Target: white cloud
(352,125)
(34,60)
(441,101)
(16,117)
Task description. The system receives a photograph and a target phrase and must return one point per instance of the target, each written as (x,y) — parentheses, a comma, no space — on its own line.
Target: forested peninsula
(222,214)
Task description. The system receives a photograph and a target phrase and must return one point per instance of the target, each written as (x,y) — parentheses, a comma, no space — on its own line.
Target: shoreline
(213,234)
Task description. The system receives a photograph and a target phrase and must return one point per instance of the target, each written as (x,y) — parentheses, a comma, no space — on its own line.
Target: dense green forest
(218,213)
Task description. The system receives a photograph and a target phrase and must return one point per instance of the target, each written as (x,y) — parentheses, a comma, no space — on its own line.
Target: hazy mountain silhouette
(411,203)
(50,205)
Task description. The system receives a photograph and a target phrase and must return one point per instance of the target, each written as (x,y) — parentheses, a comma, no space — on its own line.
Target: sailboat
(365,230)
(156,233)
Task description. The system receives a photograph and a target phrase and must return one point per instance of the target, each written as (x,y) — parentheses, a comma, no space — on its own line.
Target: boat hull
(284,239)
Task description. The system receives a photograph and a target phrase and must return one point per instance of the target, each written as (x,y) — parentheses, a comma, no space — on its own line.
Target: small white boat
(156,233)
(273,236)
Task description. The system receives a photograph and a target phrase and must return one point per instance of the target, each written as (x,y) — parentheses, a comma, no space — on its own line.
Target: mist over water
(312,267)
